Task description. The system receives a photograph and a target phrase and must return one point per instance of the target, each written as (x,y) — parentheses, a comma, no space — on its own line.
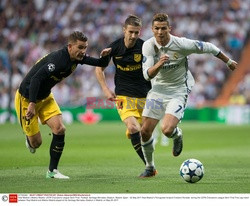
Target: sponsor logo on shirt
(170,66)
(129,67)
(118,57)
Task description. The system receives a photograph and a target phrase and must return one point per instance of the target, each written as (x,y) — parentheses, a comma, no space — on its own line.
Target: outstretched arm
(99,71)
(200,47)
(103,61)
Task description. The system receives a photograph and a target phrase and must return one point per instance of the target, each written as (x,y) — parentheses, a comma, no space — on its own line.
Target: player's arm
(200,47)
(103,61)
(153,70)
(231,64)
(35,83)
(100,75)
(150,70)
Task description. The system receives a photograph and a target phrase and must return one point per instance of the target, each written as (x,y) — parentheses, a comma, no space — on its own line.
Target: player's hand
(233,65)
(110,95)
(119,103)
(163,59)
(105,52)
(31,110)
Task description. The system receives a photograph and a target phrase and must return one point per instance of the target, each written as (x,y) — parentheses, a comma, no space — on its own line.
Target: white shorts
(157,105)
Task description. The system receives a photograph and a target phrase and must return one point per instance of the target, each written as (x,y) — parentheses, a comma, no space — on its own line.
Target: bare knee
(167,130)
(133,128)
(35,144)
(59,129)
(35,141)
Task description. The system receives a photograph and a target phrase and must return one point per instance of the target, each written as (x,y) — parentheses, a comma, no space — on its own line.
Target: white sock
(148,152)
(176,133)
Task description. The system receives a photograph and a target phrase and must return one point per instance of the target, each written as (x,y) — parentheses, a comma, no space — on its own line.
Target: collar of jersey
(159,46)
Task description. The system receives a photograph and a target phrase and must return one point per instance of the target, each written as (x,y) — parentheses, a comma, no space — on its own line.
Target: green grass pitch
(99,159)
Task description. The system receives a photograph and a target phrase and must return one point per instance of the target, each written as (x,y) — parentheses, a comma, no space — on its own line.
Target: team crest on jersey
(73,67)
(137,57)
(51,67)
(176,55)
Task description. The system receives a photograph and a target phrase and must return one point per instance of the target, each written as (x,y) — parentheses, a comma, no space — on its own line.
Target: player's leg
(148,127)
(33,142)
(156,134)
(133,128)
(131,115)
(164,140)
(174,112)
(169,125)
(29,126)
(51,115)
(56,146)
(153,111)
(159,136)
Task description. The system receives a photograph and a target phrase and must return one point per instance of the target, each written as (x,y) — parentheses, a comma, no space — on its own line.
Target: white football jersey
(174,74)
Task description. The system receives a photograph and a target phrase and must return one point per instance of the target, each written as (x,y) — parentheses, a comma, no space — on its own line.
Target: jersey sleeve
(148,58)
(199,47)
(101,62)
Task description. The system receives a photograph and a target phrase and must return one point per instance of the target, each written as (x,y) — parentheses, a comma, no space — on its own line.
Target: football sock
(148,151)
(56,149)
(176,133)
(136,142)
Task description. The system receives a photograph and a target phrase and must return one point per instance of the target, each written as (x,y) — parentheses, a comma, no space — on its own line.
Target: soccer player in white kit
(165,64)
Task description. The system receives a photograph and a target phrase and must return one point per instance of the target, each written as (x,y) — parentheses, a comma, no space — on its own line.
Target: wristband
(229,62)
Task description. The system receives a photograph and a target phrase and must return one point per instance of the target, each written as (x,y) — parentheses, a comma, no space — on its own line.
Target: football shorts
(158,105)
(130,107)
(45,109)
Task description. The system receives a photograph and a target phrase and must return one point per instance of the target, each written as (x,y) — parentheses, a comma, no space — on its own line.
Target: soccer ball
(192,170)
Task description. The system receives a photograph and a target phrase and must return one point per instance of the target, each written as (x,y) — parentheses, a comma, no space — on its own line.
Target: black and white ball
(192,170)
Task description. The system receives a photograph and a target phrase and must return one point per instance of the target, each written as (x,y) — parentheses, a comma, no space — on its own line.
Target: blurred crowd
(32,28)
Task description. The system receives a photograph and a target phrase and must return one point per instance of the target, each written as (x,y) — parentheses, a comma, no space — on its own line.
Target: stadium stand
(30,29)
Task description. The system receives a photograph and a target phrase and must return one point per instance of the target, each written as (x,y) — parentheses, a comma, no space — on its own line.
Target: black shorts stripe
(20,113)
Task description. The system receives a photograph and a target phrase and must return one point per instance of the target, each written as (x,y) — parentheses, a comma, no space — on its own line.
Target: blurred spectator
(242,92)
(237,98)
(30,29)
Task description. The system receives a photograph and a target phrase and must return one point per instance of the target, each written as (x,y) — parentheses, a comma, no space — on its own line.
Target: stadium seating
(30,29)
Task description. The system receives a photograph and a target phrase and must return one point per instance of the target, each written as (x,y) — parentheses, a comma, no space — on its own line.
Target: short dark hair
(133,21)
(161,17)
(77,35)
